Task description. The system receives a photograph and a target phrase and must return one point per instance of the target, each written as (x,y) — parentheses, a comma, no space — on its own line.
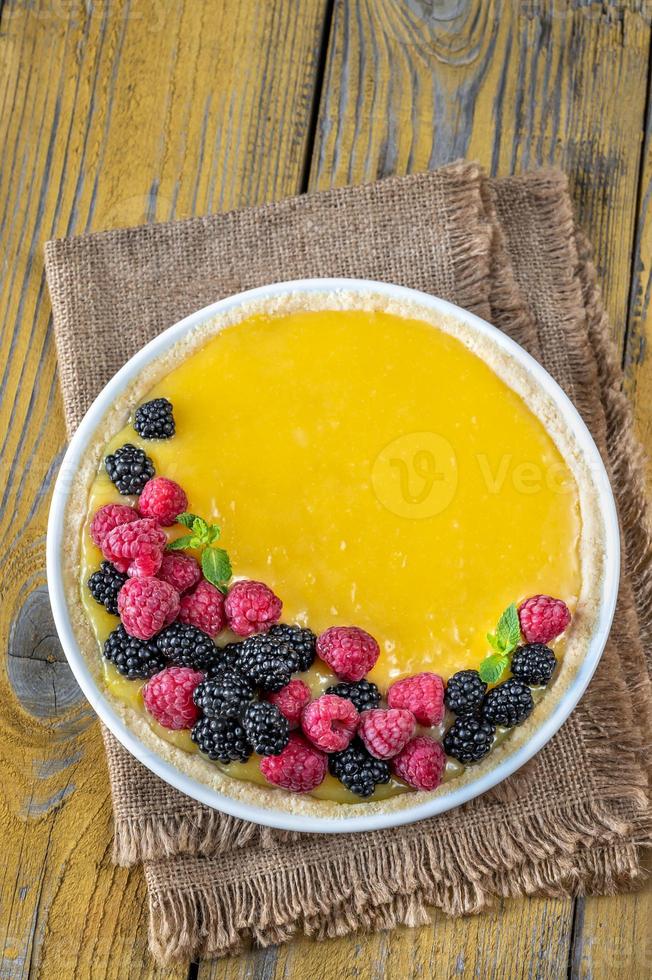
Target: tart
(371,490)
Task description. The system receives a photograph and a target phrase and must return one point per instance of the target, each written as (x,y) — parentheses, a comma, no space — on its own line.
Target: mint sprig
(215,562)
(503,642)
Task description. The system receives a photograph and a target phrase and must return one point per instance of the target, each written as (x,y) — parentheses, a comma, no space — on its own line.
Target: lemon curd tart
(376,465)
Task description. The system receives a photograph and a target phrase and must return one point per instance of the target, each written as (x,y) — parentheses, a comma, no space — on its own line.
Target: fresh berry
(225,694)
(267,729)
(385,731)
(168,697)
(508,704)
(104,585)
(291,700)
(421,764)
(146,605)
(136,548)
(543,618)
(268,661)
(154,420)
(181,571)
(226,656)
(330,722)
(300,640)
(464,692)
(163,500)
(363,694)
(348,650)
(129,468)
(187,646)
(299,767)
(533,664)
(357,770)
(469,739)
(204,608)
(130,656)
(422,694)
(108,517)
(251,607)
(222,739)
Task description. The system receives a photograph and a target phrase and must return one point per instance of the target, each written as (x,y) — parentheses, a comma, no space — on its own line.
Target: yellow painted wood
(111,113)
(514,85)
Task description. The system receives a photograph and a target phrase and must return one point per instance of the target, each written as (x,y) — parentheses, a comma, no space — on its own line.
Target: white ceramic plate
(357,821)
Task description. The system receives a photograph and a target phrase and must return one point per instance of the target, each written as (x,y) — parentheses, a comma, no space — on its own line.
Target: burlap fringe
(380,890)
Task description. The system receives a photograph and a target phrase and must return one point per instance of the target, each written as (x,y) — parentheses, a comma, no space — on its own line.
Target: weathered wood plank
(410,85)
(612,937)
(111,113)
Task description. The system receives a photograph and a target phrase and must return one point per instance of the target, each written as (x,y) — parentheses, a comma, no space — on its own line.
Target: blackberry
(129,468)
(267,729)
(187,646)
(469,739)
(226,656)
(363,694)
(301,641)
(222,739)
(533,663)
(357,769)
(104,585)
(464,692)
(225,694)
(269,661)
(154,420)
(508,704)
(132,657)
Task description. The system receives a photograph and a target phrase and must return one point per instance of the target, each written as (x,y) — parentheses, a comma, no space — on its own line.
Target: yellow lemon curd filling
(373,472)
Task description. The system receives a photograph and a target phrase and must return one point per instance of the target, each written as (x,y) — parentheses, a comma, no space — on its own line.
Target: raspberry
(300,640)
(251,607)
(267,729)
(421,763)
(385,731)
(357,770)
(129,468)
(299,767)
(348,650)
(168,697)
(108,517)
(291,700)
(181,571)
(146,605)
(163,500)
(422,694)
(136,548)
(154,419)
(204,608)
(330,722)
(533,663)
(543,618)
(186,646)
(464,692)
(104,585)
(508,703)
(363,694)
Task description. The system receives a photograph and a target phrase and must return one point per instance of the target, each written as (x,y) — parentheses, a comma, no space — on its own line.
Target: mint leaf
(216,566)
(187,519)
(508,631)
(213,533)
(184,542)
(200,528)
(496,645)
(492,668)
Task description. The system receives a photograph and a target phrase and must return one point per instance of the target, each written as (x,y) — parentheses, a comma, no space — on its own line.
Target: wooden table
(116,112)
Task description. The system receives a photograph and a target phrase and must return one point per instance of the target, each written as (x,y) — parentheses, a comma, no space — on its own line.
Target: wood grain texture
(110,113)
(414,83)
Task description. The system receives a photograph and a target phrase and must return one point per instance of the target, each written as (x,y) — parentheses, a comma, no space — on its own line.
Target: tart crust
(591,550)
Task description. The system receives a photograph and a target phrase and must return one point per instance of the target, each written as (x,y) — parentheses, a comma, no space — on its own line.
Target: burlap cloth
(575,820)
